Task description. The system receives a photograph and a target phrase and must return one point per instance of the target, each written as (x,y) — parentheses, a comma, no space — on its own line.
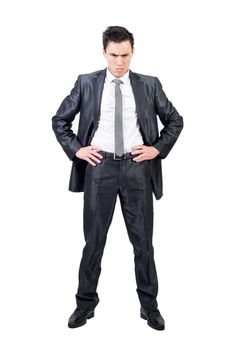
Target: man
(117,152)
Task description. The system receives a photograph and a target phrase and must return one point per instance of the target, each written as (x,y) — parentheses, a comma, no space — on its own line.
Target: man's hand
(89,153)
(145,152)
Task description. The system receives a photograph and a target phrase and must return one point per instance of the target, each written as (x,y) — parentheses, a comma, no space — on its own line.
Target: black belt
(113,156)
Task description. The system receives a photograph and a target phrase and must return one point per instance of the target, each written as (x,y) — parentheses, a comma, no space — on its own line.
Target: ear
(104,52)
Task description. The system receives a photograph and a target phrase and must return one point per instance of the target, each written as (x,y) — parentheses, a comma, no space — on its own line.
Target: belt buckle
(116,157)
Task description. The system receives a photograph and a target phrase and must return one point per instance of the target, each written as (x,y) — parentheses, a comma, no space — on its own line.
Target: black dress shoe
(79,317)
(154,319)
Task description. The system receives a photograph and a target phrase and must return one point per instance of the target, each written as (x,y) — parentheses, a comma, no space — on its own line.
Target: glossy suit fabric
(130,181)
(85,98)
(133,182)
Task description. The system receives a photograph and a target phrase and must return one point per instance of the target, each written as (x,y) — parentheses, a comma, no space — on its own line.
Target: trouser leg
(136,200)
(100,195)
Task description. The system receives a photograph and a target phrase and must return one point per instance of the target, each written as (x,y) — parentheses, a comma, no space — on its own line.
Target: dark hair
(116,34)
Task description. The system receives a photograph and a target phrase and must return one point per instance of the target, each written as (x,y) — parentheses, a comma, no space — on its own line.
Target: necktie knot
(117,81)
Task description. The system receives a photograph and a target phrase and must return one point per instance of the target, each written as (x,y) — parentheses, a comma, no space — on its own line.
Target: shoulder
(90,76)
(148,79)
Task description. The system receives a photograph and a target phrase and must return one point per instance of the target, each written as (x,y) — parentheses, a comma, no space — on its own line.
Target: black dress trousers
(132,182)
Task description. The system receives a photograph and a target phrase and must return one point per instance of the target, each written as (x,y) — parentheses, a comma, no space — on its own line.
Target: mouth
(119,70)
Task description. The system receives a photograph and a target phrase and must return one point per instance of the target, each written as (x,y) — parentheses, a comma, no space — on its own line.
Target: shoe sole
(91,315)
(161,328)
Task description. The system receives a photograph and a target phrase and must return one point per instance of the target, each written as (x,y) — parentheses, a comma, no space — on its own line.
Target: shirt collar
(110,77)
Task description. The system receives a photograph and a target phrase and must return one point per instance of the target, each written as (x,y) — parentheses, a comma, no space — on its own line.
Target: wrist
(156,151)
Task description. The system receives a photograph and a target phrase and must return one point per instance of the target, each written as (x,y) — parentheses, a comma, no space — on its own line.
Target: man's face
(118,56)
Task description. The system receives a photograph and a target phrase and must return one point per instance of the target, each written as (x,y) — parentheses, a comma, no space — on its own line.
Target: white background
(188,46)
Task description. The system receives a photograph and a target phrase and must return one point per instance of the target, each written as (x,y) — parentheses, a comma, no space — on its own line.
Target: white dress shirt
(104,136)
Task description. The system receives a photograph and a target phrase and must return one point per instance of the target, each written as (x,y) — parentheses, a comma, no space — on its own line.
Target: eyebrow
(124,55)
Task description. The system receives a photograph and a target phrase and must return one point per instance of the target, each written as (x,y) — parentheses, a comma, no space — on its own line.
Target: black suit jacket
(85,98)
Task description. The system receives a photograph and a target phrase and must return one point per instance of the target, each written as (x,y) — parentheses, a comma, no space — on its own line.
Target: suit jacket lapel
(138,89)
(98,85)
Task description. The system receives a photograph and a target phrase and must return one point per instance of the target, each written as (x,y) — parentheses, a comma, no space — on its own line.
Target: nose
(119,61)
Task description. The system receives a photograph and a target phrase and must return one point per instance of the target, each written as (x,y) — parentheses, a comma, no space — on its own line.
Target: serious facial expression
(118,56)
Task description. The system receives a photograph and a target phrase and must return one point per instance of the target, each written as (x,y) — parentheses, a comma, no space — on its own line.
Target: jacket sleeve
(171,120)
(62,121)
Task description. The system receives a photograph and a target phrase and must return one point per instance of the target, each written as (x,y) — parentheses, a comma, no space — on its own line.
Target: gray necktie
(119,145)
